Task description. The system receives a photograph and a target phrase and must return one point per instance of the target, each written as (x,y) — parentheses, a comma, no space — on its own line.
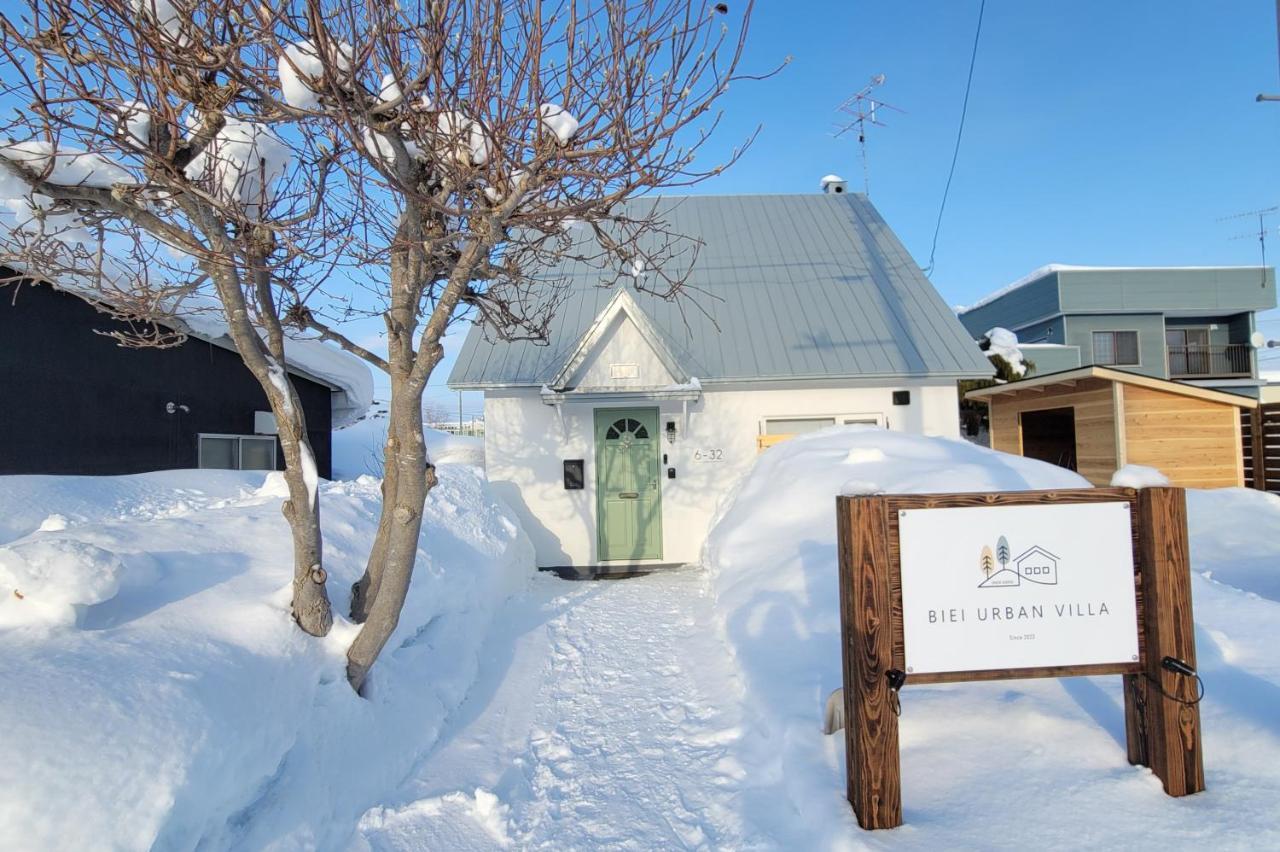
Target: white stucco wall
(525,448)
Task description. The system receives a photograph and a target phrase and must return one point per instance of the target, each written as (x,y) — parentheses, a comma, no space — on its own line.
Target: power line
(955,155)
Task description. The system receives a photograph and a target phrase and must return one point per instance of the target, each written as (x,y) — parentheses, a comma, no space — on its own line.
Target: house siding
(77,403)
(1214,291)
(1151,347)
(526,443)
(1031,303)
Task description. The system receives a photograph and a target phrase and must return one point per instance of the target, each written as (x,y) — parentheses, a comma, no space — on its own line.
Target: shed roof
(1108,374)
(786,287)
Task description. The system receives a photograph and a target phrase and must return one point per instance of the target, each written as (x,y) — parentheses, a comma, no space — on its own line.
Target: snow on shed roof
(787,287)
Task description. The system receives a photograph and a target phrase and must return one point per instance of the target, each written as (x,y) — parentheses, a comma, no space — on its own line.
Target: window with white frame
(1115,347)
(796,425)
(237,452)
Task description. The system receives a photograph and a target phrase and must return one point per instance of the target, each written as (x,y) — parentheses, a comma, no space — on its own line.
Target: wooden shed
(1095,420)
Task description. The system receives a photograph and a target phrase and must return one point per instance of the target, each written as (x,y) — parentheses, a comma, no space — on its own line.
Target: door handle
(629,495)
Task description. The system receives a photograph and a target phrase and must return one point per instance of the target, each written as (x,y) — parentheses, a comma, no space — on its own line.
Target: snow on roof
(1050,268)
(1033,275)
(201,317)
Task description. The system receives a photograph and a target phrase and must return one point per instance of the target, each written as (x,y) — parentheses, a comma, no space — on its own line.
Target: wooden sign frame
(1162,729)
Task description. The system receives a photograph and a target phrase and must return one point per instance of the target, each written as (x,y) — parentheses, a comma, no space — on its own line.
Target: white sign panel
(1005,587)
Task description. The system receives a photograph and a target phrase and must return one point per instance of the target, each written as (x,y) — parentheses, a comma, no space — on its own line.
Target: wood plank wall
(1194,442)
(1096,456)
(1260,430)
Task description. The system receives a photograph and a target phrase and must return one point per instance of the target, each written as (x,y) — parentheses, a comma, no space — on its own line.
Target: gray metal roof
(787,287)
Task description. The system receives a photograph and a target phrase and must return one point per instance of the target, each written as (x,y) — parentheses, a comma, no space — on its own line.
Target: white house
(617,438)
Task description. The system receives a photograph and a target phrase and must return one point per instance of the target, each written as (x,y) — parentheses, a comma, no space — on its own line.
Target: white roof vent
(834,185)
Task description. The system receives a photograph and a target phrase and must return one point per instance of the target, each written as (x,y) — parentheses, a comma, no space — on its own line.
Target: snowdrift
(357,449)
(156,693)
(995,765)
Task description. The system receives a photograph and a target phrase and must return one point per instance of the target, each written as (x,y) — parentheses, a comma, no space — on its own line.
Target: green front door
(628,502)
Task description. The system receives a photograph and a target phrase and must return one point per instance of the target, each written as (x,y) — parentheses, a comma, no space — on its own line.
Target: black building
(73,401)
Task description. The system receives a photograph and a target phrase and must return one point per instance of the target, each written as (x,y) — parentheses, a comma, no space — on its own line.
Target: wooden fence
(1260,429)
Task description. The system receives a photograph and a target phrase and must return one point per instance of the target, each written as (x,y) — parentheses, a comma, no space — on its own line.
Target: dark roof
(787,287)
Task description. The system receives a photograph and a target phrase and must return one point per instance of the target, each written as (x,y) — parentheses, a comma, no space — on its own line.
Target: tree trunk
(365,590)
(402,516)
(310,605)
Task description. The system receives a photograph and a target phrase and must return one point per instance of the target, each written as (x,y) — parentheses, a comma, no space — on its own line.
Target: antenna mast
(861,108)
(1261,233)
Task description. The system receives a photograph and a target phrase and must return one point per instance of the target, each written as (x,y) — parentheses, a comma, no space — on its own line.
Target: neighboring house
(616,441)
(1189,324)
(76,402)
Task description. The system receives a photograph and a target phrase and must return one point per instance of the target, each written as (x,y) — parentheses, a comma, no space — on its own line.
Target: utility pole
(1261,98)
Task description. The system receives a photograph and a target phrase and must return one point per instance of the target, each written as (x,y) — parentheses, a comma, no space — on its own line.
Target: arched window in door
(626,426)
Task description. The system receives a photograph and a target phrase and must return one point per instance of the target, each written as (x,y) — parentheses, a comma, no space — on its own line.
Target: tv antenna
(861,108)
(1260,235)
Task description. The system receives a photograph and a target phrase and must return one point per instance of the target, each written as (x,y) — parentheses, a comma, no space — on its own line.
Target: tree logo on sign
(1035,565)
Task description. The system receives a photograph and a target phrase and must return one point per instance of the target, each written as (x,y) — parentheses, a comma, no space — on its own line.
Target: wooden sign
(1124,550)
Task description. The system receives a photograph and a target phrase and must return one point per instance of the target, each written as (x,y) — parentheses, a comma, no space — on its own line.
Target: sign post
(956,587)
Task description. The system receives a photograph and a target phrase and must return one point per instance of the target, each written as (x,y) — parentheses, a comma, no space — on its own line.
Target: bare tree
(148,180)
(471,145)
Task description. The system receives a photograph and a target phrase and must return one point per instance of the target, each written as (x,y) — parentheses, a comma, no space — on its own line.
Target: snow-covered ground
(156,693)
(684,709)
(678,710)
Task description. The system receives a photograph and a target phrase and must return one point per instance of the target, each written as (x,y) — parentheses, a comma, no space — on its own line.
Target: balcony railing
(1218,361)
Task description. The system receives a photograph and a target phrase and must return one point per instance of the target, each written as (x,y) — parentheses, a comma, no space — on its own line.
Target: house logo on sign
(1035,565)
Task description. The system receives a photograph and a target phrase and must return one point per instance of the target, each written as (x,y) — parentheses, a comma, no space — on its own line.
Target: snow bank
(358,448)
(185,709)
(44,580)
(1235,539)
(1138,476)
(1047,750)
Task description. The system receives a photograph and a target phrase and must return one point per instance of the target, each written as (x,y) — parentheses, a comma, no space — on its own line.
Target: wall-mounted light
(174,408)
(671,431)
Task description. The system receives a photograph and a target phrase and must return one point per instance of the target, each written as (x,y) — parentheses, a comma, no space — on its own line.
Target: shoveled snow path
(618,700)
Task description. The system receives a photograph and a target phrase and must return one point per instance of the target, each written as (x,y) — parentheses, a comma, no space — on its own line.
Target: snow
(682,709)
(464,139)
(180,707)
(164,13)
(301,60)
(1235,533)
(389,91)
(310,477)
(243,165)
(47,579)
(69,167)
(608,719)
(1053,748)
(135,120)
(559,122)
(1138,476)
(358,448)
(1004,343)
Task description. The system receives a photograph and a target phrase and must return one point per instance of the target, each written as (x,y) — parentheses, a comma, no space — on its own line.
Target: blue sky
(1109,133)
